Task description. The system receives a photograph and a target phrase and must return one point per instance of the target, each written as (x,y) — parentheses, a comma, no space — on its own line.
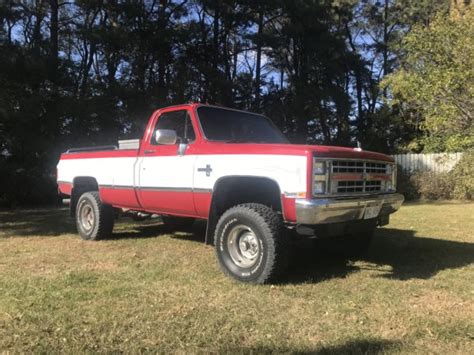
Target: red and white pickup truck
(236,170)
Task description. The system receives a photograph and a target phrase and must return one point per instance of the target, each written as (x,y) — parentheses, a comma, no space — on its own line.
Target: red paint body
(196,203)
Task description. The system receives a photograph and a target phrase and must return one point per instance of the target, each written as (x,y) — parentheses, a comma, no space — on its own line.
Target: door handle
(149,151)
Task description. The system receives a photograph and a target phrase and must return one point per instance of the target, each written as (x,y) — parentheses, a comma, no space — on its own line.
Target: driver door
(165,178)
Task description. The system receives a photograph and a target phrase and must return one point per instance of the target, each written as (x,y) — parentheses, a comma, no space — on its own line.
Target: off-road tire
(273,244)
(102,218)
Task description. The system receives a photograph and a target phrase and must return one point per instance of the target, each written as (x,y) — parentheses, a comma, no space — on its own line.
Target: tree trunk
(358,79)
(235,58)
(258,65)
(162,62)
(216,34)
(53,57)
(36,37)
(385,45)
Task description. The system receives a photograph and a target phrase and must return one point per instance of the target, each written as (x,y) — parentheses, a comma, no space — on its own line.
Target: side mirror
(165,136)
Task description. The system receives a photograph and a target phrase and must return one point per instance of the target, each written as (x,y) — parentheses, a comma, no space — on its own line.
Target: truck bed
(127,144)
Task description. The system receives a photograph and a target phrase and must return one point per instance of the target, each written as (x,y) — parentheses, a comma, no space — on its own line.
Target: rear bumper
(332,210)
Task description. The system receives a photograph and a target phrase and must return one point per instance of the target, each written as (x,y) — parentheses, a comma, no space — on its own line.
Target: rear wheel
(94,220)
(251,243)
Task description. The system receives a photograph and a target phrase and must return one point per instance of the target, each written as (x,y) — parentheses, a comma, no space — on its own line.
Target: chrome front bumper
(332,210)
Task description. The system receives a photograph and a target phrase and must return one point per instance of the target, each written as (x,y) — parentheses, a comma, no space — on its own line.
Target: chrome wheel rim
(87,217)
(243,246)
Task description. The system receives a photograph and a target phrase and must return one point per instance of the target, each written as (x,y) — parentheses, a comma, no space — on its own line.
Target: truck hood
(299,149)
(347,152)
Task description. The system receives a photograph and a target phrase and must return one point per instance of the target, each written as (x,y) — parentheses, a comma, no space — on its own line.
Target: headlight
(319,167)
(319,177)
(319,187)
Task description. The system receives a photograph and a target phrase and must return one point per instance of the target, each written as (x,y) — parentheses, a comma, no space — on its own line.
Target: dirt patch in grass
(147,290)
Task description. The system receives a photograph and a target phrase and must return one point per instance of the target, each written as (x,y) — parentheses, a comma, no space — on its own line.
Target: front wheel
(94,220)
(251,244)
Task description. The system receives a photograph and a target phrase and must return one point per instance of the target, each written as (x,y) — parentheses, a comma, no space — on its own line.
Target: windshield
(219,124)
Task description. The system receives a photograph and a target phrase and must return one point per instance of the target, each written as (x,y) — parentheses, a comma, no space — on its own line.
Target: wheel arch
(81,184)
(232,190)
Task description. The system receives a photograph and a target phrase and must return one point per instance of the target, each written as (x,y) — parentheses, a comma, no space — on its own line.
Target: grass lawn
(148,290)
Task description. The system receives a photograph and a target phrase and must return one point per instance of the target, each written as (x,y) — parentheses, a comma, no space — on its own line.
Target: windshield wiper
(242,141)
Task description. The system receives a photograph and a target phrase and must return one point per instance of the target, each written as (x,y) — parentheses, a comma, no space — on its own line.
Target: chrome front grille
(375,167)
(358,176)
(352,177)
(358,186)
(351,166)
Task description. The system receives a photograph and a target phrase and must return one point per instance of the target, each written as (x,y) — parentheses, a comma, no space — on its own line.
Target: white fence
(436,162)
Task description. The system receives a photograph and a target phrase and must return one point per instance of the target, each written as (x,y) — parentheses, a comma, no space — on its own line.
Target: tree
(435,82)
(84,72)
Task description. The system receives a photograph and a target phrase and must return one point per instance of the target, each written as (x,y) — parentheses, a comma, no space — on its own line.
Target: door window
(178,121)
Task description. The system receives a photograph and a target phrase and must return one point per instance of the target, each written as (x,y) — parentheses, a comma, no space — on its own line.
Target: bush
(455,184)
(406,184)
(463,177)
(434,186)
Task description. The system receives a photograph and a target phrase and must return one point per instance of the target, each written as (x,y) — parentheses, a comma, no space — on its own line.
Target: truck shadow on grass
(416,257)
(39,222)
(356,346)
(51,222)
(154,229)
(395,254)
